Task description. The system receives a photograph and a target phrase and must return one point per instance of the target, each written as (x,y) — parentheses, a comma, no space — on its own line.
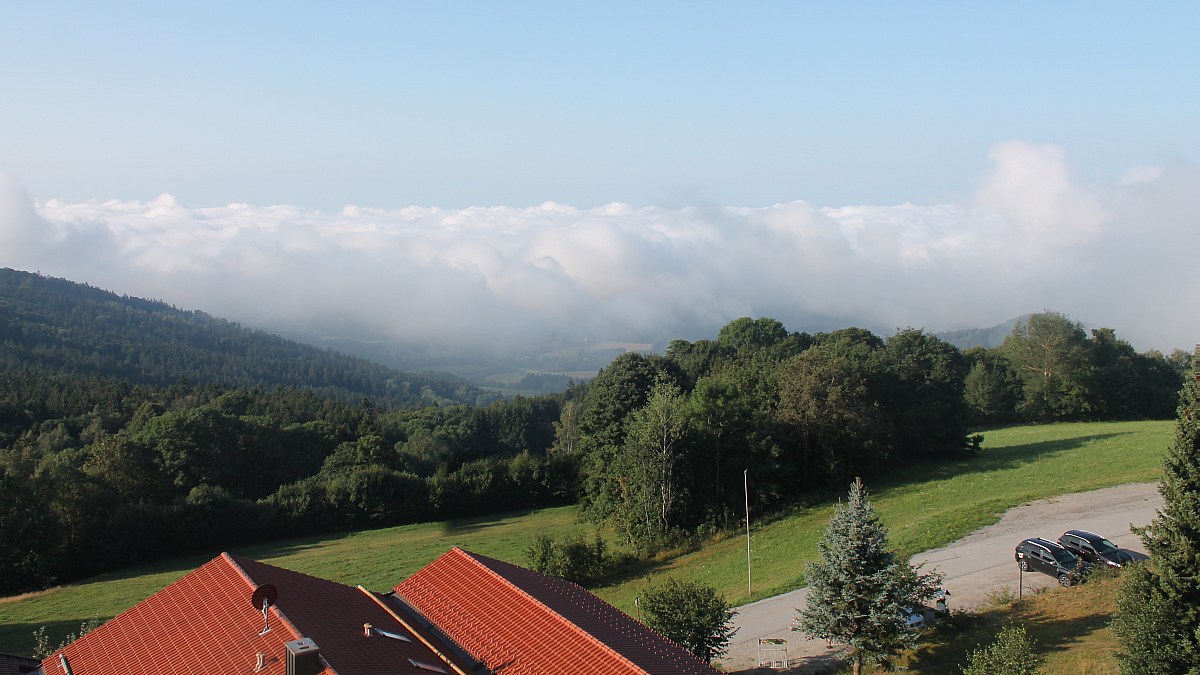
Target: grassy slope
(929,507)
(923,507)
(1069,627)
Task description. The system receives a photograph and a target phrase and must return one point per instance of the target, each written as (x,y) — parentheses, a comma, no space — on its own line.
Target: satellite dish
(264,596)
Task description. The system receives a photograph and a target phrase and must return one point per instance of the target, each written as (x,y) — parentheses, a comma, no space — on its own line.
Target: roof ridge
(572,626)
(396,615)
(233,562)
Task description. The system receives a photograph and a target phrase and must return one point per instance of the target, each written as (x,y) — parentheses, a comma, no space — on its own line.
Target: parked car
(913,617)
(1042,555)
(1094,548)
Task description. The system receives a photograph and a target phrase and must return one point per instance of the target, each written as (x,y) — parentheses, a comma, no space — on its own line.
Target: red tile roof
(204,624)
(519,622)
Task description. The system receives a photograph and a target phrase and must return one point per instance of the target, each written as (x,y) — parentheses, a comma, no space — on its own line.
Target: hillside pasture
(924,506)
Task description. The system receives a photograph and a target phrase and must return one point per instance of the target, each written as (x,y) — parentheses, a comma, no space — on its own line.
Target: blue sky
(457,104)
(904,128)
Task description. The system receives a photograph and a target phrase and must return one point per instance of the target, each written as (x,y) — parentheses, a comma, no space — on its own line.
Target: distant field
(924,507)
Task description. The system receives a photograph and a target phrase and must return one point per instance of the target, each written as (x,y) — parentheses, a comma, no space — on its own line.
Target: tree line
(103,474)
(99,471)
(666,442)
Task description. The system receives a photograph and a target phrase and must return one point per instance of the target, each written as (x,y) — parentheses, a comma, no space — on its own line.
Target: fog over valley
(505,280)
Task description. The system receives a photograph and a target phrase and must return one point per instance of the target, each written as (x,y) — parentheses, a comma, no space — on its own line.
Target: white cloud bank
(1033,237)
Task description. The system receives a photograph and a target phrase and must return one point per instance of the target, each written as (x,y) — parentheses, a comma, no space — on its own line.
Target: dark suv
(1094,548)
(1048,557)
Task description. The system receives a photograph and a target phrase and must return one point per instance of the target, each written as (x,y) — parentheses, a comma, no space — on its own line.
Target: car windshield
(1063,556)
(1105,546)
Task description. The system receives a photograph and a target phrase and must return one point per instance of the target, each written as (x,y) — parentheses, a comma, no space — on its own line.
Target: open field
(924,507)
(927,507)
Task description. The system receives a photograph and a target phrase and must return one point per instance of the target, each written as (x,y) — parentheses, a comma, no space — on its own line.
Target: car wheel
(1024,564)
(1064,580)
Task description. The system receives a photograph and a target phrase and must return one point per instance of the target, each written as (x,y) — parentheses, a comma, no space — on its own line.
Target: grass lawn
(923,506)
(1069,627)
(926,507)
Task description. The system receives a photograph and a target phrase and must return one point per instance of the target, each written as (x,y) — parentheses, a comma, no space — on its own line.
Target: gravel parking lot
(975,567)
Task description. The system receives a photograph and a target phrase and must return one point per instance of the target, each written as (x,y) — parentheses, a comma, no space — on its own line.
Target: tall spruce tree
(1158,615)
(858,591)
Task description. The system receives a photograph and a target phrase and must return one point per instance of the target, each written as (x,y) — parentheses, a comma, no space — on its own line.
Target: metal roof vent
(303,657)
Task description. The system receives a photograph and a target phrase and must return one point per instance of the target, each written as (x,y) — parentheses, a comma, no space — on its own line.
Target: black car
(1042,555)
(1094,548)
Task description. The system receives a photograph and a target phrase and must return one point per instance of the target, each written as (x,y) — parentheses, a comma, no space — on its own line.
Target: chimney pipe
(303,657)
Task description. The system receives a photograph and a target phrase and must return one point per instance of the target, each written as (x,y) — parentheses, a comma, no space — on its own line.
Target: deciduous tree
(649,468)
(692,615)
(827,394)
(1049,352)
(612,396)
(924,395)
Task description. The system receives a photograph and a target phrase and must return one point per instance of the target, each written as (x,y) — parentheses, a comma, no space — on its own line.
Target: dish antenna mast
(264,596)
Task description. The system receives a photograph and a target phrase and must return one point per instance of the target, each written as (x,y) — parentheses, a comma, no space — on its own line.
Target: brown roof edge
(432,647)
(329,669)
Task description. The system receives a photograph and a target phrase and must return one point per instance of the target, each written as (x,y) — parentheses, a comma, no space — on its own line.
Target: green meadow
(924,506)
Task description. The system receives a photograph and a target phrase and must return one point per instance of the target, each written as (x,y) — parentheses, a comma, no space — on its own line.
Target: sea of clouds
(1033,236)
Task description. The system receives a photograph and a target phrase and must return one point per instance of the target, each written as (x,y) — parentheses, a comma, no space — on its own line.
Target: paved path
(975,567)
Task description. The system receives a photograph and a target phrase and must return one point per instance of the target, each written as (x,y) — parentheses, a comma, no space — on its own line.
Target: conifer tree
(1158,617)
(858,591)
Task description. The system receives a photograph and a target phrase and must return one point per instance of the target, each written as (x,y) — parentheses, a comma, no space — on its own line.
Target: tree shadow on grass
(471,524)
(1010,457)
(454,527)
(629,569)
(1058,635)
(17,638)
(923,470)
(946,650)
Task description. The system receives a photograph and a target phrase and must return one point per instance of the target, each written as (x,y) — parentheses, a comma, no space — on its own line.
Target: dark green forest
(130,430)
(63,328)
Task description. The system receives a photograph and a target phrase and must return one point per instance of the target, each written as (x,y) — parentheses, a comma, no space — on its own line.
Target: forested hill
(988,338)
(66,328)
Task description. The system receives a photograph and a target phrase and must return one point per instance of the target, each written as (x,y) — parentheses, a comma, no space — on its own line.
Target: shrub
(574,559)
(1012,653)
(691,614)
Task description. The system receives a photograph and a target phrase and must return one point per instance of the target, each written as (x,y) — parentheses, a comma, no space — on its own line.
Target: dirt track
(975,567)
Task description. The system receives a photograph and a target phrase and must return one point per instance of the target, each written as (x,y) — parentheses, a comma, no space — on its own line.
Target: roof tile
(204,623)
(521,622)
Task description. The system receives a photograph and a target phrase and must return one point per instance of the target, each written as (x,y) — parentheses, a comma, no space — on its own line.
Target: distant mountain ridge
(982,337)
(71,328)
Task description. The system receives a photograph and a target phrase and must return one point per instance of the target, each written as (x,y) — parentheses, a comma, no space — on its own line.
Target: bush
(574,559)
(692,615)
(42,648)
(1011,654)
